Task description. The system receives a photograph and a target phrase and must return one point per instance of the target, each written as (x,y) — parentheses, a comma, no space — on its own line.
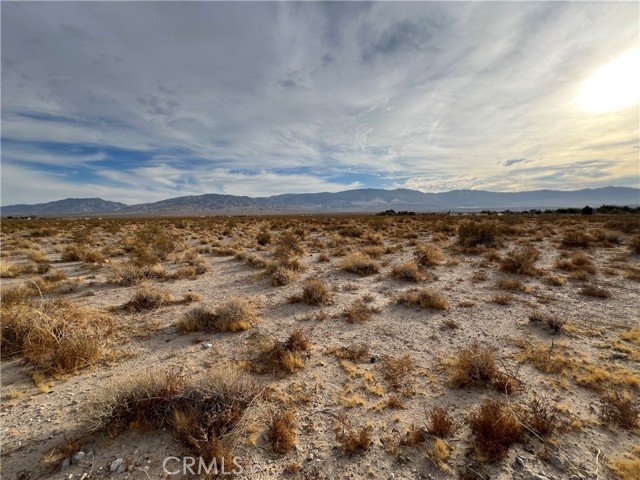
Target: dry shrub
(206,412)
(620,408)
(575,239)
(359,312)
(429,255)
(12,270)
(277,356)
(626,467)
(593,291)
(472,234)
(288,245)
(413,437)
(374,252)
(398,372)
(476,366)
(555,324)
(152,244)
(408,271)
(395,402)
(127,273)
(521,261)
(353,439)
(540,417)
(360,264)
(424,298)
(634,245)
(56,336)
(282,431)
(315,292)
(511,284)
(440,423)
(75,253)
(502,299)
(235,315)
(148,297)
(495,428)
(578,262)
(263,238)
(355,353)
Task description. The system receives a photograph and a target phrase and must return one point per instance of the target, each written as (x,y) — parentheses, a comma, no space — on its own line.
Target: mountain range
(359,200)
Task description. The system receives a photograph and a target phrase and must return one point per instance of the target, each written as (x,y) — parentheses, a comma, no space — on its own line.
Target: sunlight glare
(616,86)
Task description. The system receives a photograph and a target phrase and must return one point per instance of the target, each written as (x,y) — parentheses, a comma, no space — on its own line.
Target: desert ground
(322,347)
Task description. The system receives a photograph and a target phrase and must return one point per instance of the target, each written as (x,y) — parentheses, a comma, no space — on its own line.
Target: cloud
(159,96)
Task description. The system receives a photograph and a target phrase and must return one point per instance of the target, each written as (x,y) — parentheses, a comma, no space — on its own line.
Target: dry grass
(555,324)
(540,417)
(315,292)
(206,412)
(626,467)
(352,439)
(502,299)
(359,312)
(511,284)
(277,356)
(148,297)
(56,336)
(398,372)
(476,366)
(620,408)
(360,264)
(495,428)
(429,255)
(424,298)
(235,315)
(440,423)
(593,291)
(473,234)
(575,239)
(578,263)
(408,271)
(521,261)
(282,431)
(356,353)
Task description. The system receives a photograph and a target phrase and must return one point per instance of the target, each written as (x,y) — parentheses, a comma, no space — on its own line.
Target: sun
(616,86)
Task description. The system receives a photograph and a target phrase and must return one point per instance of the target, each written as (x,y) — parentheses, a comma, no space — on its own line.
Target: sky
(139,102)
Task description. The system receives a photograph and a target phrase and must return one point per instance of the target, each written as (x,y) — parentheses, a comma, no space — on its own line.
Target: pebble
(374,359)
(519,461)
(207,345)
(65,464)
(557,462)
(116,464)
(77,457)
(310,457)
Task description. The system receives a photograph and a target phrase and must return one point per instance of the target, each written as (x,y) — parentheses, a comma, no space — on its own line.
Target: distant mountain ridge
(359,200)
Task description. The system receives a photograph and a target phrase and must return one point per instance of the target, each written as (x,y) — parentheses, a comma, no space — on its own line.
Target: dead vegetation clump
(620,408)
(277,356)
(578,263)
(424,298)
(398,372)
(356,353)
(495,428)
(360,264)
(352,439)
(634,245)
(511,284)
(148,297)
(476,366)
(555,324)
(429,255)
(594,291)
(522,261)
(576,239)
(235,315)
(315,292)
(540,418)
(440,423)
(473,234)
(207,412)
(282,431)
(126,273)
(359,312)
(408,271)
(56,336)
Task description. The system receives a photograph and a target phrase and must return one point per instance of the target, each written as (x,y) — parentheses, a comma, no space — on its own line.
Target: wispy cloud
(147,100)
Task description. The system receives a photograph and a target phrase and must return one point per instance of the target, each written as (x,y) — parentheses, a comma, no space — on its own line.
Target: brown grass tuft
(148,297)
(235,315)
(593,291)
(495,428)
(476,366)
(408,271)
(287,356)
(429,255)
(352,439)
(424,298)
(620,408)
(359,312)
(360,264)
(282,431)
(440,423)
(521,261)
(315,292)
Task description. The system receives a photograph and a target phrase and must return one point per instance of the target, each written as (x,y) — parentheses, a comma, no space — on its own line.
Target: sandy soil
(36,418)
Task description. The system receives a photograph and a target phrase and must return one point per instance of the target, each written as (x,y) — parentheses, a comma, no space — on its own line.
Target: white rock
(116,464)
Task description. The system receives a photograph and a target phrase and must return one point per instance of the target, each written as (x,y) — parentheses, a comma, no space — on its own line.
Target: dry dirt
(600,338)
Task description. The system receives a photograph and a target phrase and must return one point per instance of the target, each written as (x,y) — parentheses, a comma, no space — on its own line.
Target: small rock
(116,464)
(77,457)
(519,461)
(374,359)
(122,468)
(392,476)
(309,457)
(576,477)
(557,462)
(207,345)
(65,464)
